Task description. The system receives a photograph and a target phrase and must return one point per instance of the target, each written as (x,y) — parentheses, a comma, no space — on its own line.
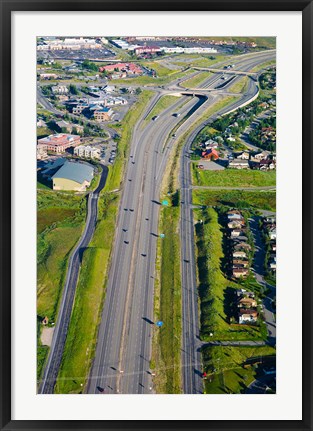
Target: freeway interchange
(123,352)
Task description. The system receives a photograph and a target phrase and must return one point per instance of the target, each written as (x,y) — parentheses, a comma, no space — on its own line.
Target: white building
(87,152)
(59,89)
(191,50)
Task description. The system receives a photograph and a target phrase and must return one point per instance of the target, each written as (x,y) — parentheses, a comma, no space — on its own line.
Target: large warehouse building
(73,176)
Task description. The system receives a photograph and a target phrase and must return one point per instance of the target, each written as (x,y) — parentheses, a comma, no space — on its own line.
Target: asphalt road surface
(47,384)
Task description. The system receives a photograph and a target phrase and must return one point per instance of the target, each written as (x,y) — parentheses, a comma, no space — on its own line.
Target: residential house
(235,224)
(236,233)
(211,154)
(238,164)
(242,246)
(246,302)
(247,316)
(267,164)
(263,155)
(239,254)
(240,272)
(243,156)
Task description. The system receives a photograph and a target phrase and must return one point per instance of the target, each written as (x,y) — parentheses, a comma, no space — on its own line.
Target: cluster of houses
(262,160)
(247,307)
(239,244)
(56,143)
(121,70)
(269,228)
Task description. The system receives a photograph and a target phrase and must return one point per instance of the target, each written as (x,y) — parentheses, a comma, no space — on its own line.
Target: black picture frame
(7,7)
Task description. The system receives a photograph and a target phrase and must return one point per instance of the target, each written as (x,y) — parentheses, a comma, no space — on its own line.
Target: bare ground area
(46,336)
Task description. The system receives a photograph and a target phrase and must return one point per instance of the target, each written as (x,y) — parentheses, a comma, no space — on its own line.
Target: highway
(124,340)
(123,351)
(47,384)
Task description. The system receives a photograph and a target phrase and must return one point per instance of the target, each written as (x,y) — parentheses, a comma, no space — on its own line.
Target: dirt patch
(46,336)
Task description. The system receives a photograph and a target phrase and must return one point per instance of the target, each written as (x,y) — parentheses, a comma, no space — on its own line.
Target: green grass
(196,80)
(236,198)
(60,220)
(215,291)
(232,374)
(166,350)
(81,338)
(239,86)
(48,216)
(163,103)
(161,70)
(263,65)
(233,178)
(148,80)
(116,172)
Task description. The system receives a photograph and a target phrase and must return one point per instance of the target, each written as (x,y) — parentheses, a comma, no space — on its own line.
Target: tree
(138,90)
(73,89)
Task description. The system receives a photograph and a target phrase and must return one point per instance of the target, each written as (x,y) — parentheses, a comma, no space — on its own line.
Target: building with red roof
(210,154)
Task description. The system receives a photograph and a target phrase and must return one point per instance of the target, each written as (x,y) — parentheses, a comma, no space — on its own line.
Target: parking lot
(79,54)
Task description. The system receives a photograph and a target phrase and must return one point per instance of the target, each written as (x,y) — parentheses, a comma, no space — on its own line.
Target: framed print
(156,215)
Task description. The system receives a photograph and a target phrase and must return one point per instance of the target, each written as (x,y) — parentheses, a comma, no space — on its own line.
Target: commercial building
(103,114)
(73,176)
(69,43)
(129,68)
(87,152)
(59,142)
(147,50)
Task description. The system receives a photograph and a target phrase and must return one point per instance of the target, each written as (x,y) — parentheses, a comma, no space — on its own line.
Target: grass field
(196,80)
(163,103)
(232,375)
(161,70)
(263,65)
(232,178)
(239,86)
(115,174)
(149,80)
(215,290)
(166,346)
(60,220)
(236,198)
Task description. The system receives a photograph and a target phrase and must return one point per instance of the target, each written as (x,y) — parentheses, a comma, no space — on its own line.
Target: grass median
(116,172)
(196,80)
(165,361)
(163,103)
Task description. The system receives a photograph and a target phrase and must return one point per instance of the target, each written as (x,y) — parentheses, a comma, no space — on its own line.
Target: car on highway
(177,114)
(174,135)
(155,117)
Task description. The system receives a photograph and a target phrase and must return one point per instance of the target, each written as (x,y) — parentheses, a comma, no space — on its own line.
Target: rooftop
(78,172)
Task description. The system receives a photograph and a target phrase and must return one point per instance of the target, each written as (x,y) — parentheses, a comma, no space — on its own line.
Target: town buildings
(87,152)
(59,142)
